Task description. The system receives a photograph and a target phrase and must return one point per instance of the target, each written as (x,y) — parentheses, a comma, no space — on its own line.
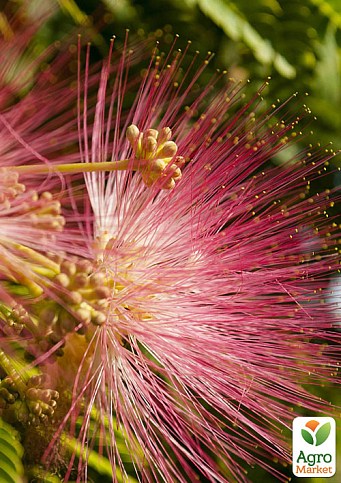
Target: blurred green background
(296,42)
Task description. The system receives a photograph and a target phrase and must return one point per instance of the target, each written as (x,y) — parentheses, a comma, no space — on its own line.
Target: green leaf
(328,86)
(330,9)
(233,23)
(307,436)
(11,452)
(322,434)
(101,464)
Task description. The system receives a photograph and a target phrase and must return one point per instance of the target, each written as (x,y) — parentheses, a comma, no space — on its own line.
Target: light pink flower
(215,319)
(182,305)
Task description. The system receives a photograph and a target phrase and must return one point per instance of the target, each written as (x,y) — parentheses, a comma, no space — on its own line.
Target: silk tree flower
(29,213)
(181,313)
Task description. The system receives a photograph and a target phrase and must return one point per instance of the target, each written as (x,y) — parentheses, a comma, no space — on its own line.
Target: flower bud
(54,394)
(132,134)
(73,297)
(169,184)
(97,279)
(98,318)
(176,174)
(46,196)
(164,135)
(151,133)
(84,266)
(149,147)
(7,396)
(35,408)
(157,166)
(68,267)
(32,393)
(36,380)
(62,279)
(83,315)
(168,150)
(81,280)
(102,292)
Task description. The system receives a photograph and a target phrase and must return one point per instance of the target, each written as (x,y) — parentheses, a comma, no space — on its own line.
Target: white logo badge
(313,447)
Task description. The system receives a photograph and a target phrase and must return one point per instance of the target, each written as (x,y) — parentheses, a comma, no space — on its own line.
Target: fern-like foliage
(11,452)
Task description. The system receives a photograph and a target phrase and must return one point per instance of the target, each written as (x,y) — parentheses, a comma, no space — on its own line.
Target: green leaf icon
(322,434)
(307,436)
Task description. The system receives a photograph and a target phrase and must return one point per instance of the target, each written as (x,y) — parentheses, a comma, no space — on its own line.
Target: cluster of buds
(42,211)
(15,318)
(30,403)
(81,300)
(156,156)
(39,211)
(10,188)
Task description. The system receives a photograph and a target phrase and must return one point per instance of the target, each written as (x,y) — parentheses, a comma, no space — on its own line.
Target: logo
(315,433)
(313,447)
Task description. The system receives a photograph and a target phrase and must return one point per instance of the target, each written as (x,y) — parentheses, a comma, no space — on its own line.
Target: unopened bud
(98,318)
(83,315)
(157,166)
(149,145)
(176,175)
(98,279)
(132,134)
(54,394)
(73,297)
(81,280)
(168,150)
(169,184)
(35,408)
(102,292)
(46,196)
(152,133)
(45,396)
(68,267)
(62,279)
(32,393)
(164,135)
(84,266)
(7,396)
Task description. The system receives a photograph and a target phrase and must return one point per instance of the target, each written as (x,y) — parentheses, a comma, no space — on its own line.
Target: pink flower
(184,314)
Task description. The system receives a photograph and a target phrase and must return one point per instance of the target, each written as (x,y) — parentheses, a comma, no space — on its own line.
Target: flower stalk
(75,168)
(154,158)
